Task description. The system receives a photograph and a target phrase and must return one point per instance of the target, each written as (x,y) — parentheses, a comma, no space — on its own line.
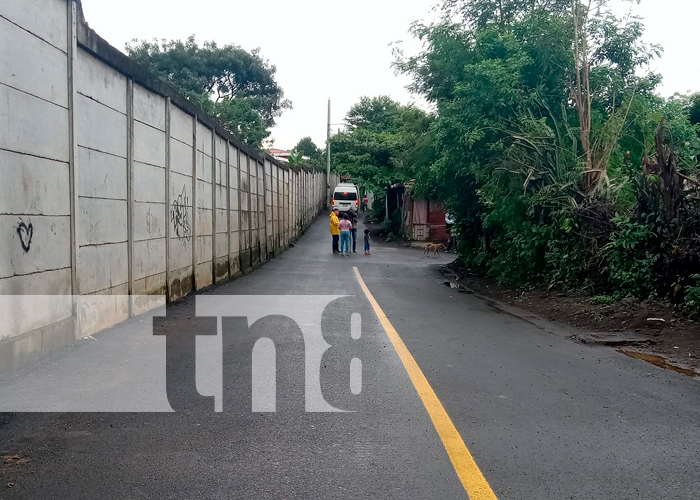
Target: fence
(117,189)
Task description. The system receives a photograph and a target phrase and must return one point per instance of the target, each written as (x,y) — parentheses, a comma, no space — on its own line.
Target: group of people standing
(344,229)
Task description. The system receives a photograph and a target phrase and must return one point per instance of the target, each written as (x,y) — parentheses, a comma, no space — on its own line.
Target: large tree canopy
(381,143)
(307,147)
(236,86)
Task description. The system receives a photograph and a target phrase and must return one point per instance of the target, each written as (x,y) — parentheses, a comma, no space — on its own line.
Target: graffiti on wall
(25,232)
(151,222)
(180,216)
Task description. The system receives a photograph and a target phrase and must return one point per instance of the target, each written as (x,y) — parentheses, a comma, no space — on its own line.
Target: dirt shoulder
(653,331)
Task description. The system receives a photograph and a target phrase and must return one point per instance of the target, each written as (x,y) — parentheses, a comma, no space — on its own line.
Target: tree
(695,108)
(382,143)
(545,128)
(295,157)
(605,47)
(479,14)
(236,86)
(375,114)
(307,147)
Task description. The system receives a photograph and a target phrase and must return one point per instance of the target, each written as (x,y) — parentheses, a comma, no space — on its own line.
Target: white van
(346,197)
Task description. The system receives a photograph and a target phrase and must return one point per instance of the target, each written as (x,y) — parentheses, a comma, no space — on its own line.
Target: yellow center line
(469,473)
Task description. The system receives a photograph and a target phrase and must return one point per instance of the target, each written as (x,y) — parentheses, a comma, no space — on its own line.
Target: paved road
(541,416)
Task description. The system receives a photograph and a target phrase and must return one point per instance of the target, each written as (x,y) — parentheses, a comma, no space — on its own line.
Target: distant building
(282,155)
(279,154)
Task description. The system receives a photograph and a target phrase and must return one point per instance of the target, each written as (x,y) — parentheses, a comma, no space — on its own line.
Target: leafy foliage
(384,142)
(561,164)
(236,86)
(307,147)
(693,295)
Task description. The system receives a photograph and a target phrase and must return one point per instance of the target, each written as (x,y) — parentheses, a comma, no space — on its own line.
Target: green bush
(519,256)
(692,295)
(629,258)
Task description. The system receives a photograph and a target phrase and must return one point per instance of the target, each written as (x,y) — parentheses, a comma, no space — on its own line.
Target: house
(279,154)
(282,155)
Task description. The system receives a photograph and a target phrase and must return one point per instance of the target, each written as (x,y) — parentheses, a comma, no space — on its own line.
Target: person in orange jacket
(335,229)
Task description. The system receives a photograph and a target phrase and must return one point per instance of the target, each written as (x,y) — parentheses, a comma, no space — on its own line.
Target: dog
(433,247)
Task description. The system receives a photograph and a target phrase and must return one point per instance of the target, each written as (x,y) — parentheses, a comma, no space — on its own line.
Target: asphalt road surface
(457,399)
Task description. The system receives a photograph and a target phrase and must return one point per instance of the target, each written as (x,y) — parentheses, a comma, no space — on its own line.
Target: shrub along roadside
(561,164)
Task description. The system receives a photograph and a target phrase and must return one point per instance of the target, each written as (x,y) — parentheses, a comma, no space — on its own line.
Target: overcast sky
(341,49)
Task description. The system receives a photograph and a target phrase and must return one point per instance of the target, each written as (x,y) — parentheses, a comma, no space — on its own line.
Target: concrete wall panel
(149,220)
(233,177)
(33,244)
(101,221)
(220,174)
(34,301)
(180,283)
(204,139)
(149,108)
(221,145)
(99,127)
(243,193)
(180,254)
(102,267)
(234,194)
(180,158)
(148,294)
(100,82)
(221,246)
(149,145)
(149,258)
(33,185)
(181,125)
(235,223)
(204,197)
(203,275)
(204,222)
(204,168)
(149,183)
(221,221)
(103,309)
(150,285)
(221,197)
(101,175)
(46,19)
(181,191)
(31,65)
(235,242)
(233,163)
(203,253)
(32,126)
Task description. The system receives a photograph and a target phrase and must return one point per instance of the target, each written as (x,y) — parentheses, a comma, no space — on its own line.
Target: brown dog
(433,247)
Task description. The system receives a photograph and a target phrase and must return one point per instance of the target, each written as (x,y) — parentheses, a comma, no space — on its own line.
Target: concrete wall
(35,192)
(118,194)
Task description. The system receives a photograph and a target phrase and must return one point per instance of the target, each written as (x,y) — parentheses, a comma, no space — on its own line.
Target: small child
(367,252)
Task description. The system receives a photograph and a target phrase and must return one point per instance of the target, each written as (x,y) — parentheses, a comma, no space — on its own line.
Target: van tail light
(357,203)
(333,201)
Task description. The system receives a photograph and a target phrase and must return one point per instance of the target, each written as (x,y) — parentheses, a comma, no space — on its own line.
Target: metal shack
(423,219)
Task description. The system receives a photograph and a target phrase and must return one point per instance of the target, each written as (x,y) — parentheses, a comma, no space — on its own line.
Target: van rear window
(345,195)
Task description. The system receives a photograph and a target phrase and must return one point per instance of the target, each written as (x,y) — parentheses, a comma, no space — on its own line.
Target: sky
(342,50)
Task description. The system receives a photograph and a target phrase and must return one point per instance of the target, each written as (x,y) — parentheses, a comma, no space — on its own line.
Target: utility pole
(328,157)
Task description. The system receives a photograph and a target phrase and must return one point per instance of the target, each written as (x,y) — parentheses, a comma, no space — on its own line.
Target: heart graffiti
(25,231)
